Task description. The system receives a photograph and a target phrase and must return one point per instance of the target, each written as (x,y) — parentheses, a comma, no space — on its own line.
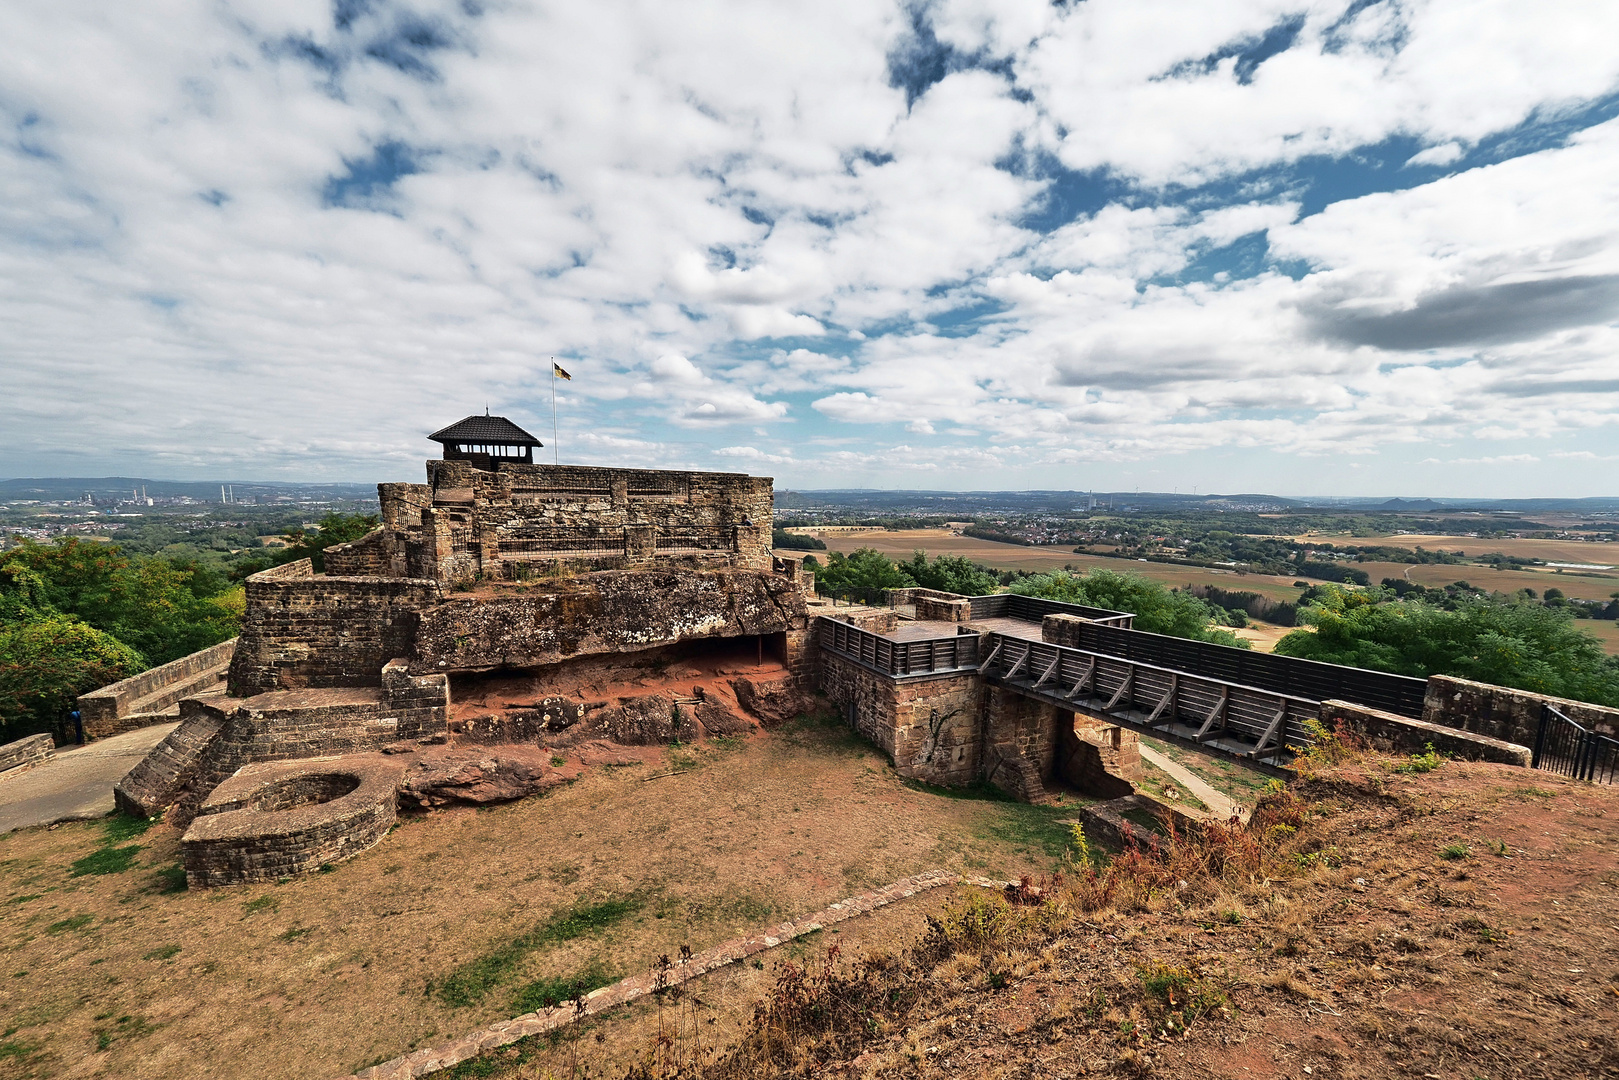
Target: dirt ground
(441,927)
(1457,924)
(1263,636)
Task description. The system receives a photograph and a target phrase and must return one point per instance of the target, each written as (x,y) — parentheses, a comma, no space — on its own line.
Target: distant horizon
(1458,500)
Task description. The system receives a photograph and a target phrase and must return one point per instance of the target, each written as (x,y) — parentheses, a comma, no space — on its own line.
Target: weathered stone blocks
(1401,735)
(28,750)
(278,820)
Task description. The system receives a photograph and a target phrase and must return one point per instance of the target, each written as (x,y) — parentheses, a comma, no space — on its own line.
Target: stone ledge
(446,1056)
(1400,734)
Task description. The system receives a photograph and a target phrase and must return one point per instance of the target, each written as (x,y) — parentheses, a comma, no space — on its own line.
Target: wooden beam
(1050,671)
(1022,660)
(1124,688)
(993,654)
(1169,697)
(1085,680)
(1216,714)
(1270,732)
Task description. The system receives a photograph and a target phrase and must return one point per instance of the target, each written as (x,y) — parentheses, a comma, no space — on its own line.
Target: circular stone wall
(285,819)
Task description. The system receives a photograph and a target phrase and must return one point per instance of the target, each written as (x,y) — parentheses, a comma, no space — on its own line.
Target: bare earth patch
(459,917)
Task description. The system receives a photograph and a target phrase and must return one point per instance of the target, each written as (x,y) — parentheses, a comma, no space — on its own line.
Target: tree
(46,662)
(310,544)
(863,568)
(1525,645)
(951,573)
(1157,609)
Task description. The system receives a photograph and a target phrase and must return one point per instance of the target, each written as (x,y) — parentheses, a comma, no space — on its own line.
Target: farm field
(899,544)
(1569,551)
(453,917)
(1580,586)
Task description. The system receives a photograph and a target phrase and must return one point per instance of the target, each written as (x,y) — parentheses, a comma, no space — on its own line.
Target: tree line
(76,615)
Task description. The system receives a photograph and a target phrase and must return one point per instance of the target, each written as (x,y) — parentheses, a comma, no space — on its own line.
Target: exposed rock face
(643,721)
(547,716)
(608,612)
(493,778)
(773,703)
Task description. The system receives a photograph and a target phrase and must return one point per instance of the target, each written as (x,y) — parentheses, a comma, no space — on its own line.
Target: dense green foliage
(951,573)
(75,615)
(1158,610)
(1502,640)
(862,569)
(46,662)
(869,571)
(791,541)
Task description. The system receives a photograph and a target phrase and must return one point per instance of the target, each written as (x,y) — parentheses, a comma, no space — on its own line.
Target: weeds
(550,992)
(165,952)
(1455,851)
(267,902)
(1425,762)
(74,922)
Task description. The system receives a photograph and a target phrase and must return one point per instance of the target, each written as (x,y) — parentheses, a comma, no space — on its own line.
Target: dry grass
(444,925)
(1329,936)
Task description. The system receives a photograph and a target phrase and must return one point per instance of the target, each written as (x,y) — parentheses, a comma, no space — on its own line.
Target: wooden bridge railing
(954,653)
(1149,696)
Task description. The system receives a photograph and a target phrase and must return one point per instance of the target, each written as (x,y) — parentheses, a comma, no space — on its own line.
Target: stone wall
(932,608)
(29,750)
(928,725)
(1393,734)
(131,703)
(304,631)
(1021,749)
(1502,713)
(605,612)
(517,513)
(217,738)
(378,553)
(1062,630)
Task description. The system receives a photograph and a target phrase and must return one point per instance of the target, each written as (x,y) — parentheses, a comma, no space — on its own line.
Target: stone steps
(152,787)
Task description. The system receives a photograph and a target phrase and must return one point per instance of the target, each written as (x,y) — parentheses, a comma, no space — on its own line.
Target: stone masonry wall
(1402,735)
(304,631)
(1021,750)
(29,750)
(378,553)
(928,726)
(153,690)
(1503,713)
(631,512)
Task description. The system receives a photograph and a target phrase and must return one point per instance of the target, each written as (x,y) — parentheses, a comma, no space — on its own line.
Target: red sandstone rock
(773,703)
(492,778)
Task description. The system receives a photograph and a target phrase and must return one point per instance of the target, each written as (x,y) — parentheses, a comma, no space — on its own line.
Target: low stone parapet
(29,750)
(145,699)
(286,819)
(1400,734)
(1504,713)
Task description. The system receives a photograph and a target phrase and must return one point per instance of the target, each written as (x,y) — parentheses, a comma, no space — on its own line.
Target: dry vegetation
(1373,921)
(458,918)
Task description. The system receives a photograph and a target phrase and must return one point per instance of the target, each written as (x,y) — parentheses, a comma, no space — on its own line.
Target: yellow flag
(556,369)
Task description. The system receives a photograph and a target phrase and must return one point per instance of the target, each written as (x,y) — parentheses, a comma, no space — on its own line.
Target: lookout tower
(485,441)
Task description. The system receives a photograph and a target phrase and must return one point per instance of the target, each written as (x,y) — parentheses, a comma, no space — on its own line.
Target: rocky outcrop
(610,612)
(772,702)
(481,781)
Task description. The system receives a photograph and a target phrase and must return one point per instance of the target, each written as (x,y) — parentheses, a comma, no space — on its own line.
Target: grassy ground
(1373,922)
(461,917)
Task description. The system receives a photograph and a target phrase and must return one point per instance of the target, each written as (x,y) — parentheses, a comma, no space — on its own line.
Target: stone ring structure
(286,818)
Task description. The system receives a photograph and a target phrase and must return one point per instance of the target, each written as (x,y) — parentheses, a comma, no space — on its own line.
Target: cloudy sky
(1257,245)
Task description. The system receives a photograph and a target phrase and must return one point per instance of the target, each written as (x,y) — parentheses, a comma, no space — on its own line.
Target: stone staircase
(157,782)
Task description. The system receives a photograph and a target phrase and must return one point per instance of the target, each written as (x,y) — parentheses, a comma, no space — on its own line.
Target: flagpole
(555,459)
